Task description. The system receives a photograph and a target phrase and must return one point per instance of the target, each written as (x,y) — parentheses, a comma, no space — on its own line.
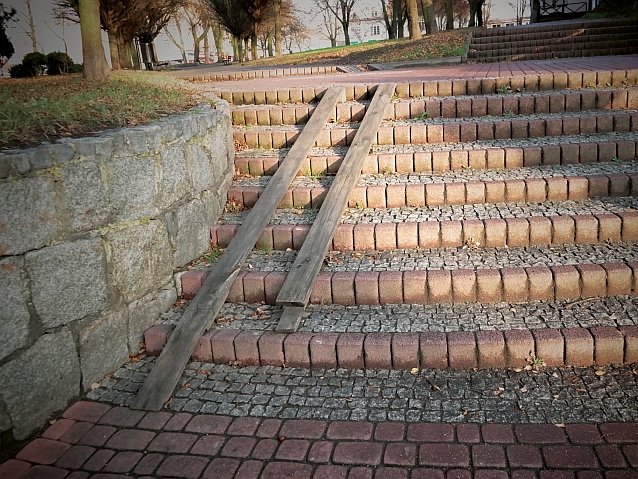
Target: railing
(564,8)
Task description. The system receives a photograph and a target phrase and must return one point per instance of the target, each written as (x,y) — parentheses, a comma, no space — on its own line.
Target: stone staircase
(494,225)
(582,38)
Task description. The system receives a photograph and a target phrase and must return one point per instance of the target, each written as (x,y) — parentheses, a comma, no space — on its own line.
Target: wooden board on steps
(295,292)
(200,313)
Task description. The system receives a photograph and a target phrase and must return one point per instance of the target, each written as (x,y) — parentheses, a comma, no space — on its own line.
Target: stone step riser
(485,86)
(607,33)
(423,134)
(619,47)
(511,285)
(536,190)
(630,50)
(454,160)
(625,33)
(510,232)
(247,75)
(405,351)
(561,27)
(453,108)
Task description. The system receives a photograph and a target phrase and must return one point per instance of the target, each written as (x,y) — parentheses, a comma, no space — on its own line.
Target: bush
(35,63)
(19,71)
(76,68)
(58,62)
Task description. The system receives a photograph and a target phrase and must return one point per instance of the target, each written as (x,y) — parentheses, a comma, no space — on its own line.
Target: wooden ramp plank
(296,289)
(200,313)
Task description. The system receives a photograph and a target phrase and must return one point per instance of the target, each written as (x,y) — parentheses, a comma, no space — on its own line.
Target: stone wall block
(174,183)
(103,347)
(171,129)
(153,138)
(28,216)
(204,170)
(143,314)
(68,281)
(140,259)
(99,148)
(40,382)
(14,315)
(189,232)
(131,141)
(86,196)
(132,188)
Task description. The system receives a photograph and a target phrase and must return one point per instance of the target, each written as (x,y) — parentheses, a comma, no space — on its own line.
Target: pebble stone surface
(552,395)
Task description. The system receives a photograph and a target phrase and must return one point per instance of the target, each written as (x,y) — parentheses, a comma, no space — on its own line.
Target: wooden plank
(201,311)
(290,319)
(296,289)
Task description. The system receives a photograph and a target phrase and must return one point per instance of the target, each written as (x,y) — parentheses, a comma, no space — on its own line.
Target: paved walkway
(471,71)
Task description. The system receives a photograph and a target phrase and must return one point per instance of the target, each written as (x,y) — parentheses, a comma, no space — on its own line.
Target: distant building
(508,22)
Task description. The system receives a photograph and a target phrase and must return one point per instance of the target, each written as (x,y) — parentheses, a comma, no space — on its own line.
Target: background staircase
(581,38)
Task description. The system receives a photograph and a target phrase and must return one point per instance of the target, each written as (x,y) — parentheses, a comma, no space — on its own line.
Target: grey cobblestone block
(133,188)
(189,233)
(68,281)
(40,382)
(86,196)
(144,313)
(174,182)
(34,223)
(14,315)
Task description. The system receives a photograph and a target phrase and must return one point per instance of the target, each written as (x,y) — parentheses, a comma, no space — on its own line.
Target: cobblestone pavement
(497,174)
(552,395)
(591,206)
(454,258)
(416,318)
(465,71)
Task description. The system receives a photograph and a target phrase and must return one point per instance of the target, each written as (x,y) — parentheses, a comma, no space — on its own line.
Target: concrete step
(616,47)
(563,150)
(528,82)
(536,40)
(453,130)
(475,233)
(459,107)
(491,33)
(632,49)
(218,76)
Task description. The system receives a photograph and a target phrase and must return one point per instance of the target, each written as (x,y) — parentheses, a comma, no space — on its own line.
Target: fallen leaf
(203,371)
(559,425)
(554,375)
(575,380)
(357,255)
(497,392)
(94,386)
(185,386)
(523,389)
(517,370)
(415,371)
(600,372)
(581,390)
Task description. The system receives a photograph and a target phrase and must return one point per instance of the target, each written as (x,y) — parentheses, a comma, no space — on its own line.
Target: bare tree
(95,66)
(277,21)
(449,14)
(218,38)
(198,16)
(342,10)
(28,17)
(487,11)
(413,19)
(235,20)
(392,11)
(330,25)
(179,44)
(519,7)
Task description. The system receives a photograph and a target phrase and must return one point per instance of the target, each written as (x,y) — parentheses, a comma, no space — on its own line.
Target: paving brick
(608,345)
(495,232)
(46,472)
(271,350)
(536,190)
(86,411)
(359,453)
(540,230)
(98,460)
(330,472)
(172,442)
(619,278)
(434,353)
(567,282)
(462,349)
(519,343)
(631,453)
(378,351)
(74,458)
(343,288)
(629,226)
(292,450)
(630,334)
(353,431)
(130,439)
(12,469)
(517,232)
(400,454)
(323,350)
(540,434)
(610,456)
(570,457)
(463,286)
(405,351)
(473,232)
(391,287)
(208,424)
(389,431)
(578,188)
(76,432)
(495,192)
(444,455)
(549,346)
(563,229)
(593,280)
(43,451)
(439,283)
(619,432)
(556,189)
(489,286)
(123,462)
(579,347)
(434,133)
(484,455)
(583,434)
(491,349)
(451,234)
(247,347)
(208,445)
(408,235)
(524,456)
(320,451)
(485,130)
(430,432)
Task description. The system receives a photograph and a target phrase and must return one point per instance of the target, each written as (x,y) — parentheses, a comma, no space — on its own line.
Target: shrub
(58,62)
(76,68)
(34,63)
(19,71)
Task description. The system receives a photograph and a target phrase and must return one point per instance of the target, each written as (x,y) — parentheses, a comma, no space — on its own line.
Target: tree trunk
(114,50)
(236,51)
(269,43)
(473,5)
(449,14)
(130,45)
(195,44)
(253,42)
(429,17)
(413,20)
(218,37)
(95,66)
(124,53)
(278,28)
(479,13)
(246,48)
(206,49)
(396,15)
(333,42)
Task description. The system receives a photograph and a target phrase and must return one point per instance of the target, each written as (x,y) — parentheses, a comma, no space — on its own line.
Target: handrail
(569,7)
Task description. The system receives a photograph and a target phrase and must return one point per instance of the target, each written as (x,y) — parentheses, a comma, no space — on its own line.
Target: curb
(458,193)
(580,347)
(250,74)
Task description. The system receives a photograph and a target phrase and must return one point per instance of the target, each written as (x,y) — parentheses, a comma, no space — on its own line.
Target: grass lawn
(442,44)
(50,107)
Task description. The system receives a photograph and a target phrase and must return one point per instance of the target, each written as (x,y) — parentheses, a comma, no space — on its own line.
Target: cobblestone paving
(553,395)
(454,258)
(417,318)
(472,145)
(461,176)
(591,206)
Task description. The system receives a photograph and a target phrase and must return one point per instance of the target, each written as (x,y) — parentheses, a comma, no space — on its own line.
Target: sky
(52,37)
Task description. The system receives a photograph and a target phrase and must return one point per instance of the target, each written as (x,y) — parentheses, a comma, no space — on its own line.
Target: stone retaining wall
(93,233)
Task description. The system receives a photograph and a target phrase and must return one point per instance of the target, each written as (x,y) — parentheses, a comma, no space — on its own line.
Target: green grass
(47,108)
